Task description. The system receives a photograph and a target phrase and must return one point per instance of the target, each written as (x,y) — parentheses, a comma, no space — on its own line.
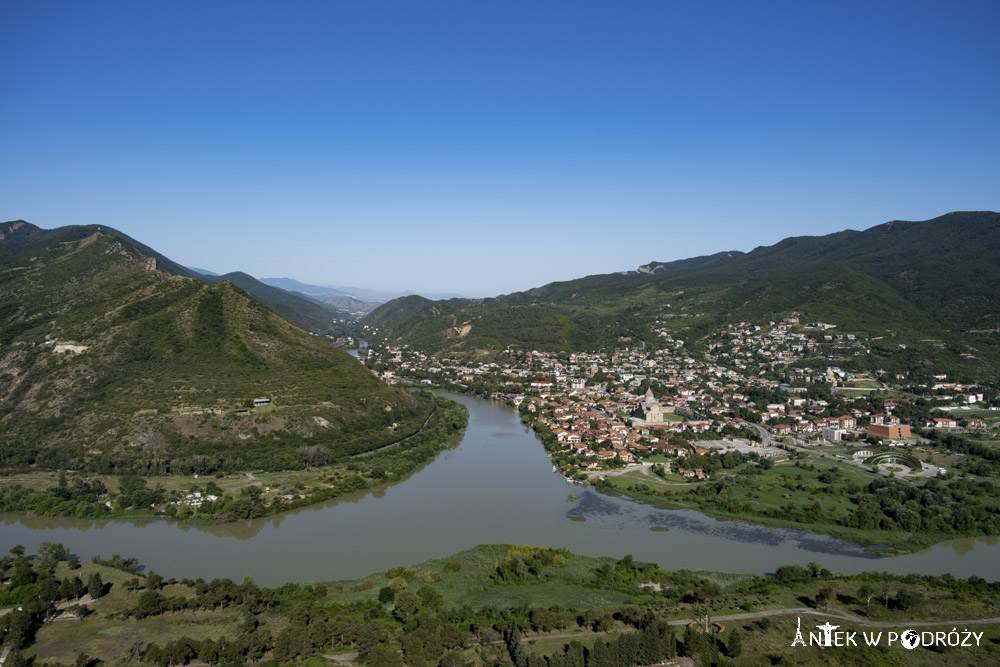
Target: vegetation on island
(466,610)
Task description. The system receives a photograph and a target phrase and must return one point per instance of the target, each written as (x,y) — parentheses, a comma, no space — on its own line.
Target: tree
(406,606)
(151,603)
(907,599)
(823,596)
(735,646)
(129,484)
(95,585)
(866,592)
(386,594)
(52,553)
(154,582)
(430,598)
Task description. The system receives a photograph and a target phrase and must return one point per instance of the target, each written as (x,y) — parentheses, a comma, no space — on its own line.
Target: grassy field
(105,633)
(774,496)
(464,579)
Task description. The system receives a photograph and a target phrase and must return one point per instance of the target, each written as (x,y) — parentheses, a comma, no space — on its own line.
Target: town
(656,422)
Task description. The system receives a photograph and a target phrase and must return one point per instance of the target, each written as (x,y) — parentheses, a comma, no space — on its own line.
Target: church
(649,411)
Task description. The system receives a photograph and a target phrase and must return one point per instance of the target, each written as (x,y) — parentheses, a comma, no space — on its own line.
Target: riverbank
(497,485)
(232,497)
(805,491)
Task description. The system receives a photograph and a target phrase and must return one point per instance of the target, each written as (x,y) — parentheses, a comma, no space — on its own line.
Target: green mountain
(931,283)
(306,313)
(112,358)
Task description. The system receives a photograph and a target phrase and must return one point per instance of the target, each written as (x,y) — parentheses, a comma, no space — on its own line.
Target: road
(839,613)
(349,658)
(766,440)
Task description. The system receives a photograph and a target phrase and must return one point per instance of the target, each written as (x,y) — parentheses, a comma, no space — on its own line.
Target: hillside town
(749,387)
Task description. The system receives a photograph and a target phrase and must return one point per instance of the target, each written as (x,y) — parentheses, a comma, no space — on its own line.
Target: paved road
(927,471)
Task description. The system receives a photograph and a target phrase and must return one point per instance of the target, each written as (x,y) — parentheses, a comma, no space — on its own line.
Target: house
(846,422)
(885,419)
(676,450)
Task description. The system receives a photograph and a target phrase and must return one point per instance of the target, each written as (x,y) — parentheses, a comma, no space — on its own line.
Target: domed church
(649,411)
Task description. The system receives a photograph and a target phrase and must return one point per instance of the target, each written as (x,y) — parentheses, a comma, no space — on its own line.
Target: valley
(191,426)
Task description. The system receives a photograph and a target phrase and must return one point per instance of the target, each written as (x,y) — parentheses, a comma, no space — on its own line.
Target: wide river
(495,487)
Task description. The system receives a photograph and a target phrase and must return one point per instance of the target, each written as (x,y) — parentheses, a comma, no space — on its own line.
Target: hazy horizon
(485,149)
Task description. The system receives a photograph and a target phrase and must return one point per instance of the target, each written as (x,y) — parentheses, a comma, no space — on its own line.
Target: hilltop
(307,313)
(113,358)
(930,285)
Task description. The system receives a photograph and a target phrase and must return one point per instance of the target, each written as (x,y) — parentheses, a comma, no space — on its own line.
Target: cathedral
(649,411)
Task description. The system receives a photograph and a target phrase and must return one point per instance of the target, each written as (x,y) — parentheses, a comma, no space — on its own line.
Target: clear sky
(488,147)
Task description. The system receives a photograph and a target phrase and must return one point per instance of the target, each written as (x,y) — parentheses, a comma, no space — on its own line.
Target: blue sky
(489,147)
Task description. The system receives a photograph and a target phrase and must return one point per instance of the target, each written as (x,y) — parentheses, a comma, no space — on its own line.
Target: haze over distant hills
(362,293)
(932,285)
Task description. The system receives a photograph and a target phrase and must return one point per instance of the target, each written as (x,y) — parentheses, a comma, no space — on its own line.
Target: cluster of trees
(526,563)
(957,507)
(33,590)
(208,596)
(654,642)
(84,498)
(250,644)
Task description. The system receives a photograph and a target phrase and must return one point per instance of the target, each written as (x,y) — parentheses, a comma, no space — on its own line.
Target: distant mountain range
(115,358)
(934,285)
(359,293)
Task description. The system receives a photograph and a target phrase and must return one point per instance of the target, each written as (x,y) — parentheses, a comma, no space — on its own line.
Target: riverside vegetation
(491,606)
(813,491)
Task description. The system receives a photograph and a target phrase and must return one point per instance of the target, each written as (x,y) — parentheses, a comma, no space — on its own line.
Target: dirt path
(839,613)
(86,600)
(401,440)
(349,658)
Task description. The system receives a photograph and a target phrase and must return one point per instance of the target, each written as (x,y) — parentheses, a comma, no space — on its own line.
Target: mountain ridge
(932,279)
(110,363)
(306,313)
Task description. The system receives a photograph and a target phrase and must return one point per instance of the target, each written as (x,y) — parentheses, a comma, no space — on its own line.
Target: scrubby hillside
(109,363)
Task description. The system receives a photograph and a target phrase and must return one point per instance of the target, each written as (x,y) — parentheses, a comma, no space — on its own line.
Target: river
(495,487)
